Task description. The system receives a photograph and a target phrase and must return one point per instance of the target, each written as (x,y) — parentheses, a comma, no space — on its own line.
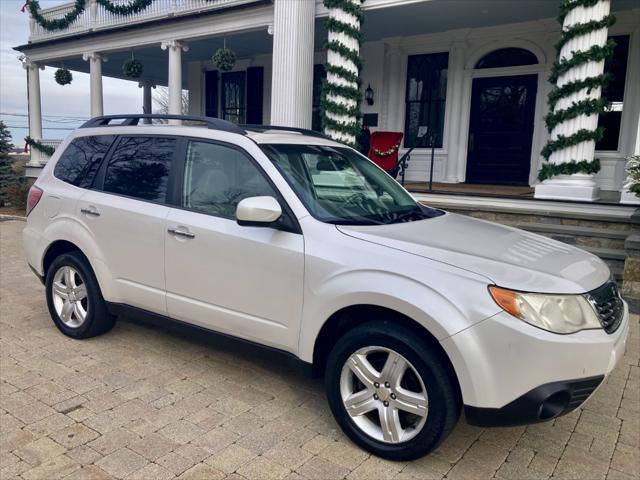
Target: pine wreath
(587,106)
(133,68)
(224,59)
(340,100)
(63,76)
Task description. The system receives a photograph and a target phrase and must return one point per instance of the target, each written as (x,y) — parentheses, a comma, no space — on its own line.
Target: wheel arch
(352,316)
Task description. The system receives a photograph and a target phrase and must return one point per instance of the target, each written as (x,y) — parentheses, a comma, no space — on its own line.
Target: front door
(243,281)
(501,129)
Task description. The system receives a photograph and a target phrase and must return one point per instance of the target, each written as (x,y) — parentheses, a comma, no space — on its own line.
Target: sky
(63,107)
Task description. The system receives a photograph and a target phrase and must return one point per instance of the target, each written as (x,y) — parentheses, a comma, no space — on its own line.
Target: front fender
(440,315)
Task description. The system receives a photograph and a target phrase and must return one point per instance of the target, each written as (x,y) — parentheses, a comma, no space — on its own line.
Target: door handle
(90,211)
(181,233)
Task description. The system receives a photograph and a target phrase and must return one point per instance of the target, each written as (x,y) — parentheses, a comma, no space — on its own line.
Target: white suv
(287,239)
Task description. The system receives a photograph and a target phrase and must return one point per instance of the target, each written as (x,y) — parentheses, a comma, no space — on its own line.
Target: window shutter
(255,91)
(211,93)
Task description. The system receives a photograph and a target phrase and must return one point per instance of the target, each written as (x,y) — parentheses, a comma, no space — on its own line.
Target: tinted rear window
(80,161)
(139,167)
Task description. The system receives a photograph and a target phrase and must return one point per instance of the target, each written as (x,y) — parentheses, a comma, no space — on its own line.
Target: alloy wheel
(70,298)
(384,395)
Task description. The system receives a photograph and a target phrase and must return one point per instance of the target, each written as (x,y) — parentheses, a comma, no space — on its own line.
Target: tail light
(35,194)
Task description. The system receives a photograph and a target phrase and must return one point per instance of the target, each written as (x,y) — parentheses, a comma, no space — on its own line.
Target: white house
(474,71)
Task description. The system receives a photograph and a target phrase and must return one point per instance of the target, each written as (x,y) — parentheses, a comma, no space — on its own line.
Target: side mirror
(258,211)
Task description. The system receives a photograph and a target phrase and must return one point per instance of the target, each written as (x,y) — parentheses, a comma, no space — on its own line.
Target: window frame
(624,94)
(408,102)
(98,183)
(288,223)
(107,154)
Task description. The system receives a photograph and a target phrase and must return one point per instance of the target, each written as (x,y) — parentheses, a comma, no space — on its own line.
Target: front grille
(608,304)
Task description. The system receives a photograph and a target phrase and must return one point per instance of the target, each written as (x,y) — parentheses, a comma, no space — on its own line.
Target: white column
(579,186)
(394,86)
(147,100)
(95,71)
(35,105)
(454,96)
(175,49)
(293,48)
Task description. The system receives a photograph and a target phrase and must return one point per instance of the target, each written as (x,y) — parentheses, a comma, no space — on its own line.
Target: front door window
(233,97)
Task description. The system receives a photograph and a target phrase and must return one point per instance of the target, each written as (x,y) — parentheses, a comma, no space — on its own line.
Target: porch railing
(37,157)
(96,17)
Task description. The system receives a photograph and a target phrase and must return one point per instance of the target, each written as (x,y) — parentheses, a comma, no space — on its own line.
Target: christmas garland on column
(341,96)
(588,105)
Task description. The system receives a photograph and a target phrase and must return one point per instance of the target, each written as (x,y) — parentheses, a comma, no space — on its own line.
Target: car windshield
(340,186)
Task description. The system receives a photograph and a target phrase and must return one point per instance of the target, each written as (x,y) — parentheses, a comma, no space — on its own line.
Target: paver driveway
(142,403)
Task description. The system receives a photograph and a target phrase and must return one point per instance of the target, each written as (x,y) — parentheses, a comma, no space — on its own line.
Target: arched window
(507,57)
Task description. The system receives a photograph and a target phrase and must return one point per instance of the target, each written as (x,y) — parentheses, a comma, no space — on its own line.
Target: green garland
(588,106)
(549,170)
(64,22)
(56,23)
(135,6)
(46,149)
(330,103)
(562,142)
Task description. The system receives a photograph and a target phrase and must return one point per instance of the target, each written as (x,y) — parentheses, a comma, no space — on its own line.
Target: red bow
(24,7)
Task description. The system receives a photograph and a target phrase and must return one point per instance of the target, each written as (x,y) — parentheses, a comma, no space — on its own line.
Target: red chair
(383,151)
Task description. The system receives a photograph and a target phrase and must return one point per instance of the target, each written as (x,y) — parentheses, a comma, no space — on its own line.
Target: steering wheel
(356,199)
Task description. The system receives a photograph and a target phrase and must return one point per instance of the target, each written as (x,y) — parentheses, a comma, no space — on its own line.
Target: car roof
(204,127)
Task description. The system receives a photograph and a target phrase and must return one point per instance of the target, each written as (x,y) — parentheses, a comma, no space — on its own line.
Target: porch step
(608,244)
(579,236)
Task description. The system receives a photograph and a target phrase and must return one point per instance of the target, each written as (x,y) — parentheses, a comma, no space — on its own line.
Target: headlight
(555,313)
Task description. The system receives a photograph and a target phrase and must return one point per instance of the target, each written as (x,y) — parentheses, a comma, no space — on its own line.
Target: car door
(243,281)
(125,215)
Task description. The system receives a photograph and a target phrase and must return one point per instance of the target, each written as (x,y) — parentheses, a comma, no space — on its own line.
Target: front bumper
(538,405)
(513,373)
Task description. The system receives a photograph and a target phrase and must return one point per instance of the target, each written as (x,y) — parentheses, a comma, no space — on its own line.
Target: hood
(508,257)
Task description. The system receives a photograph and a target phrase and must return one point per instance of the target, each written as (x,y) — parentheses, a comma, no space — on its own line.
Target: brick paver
(143,403)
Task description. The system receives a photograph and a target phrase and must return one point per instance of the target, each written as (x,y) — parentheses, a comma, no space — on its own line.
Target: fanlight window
(507,57)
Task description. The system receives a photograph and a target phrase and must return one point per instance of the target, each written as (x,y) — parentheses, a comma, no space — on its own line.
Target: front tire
(74,299)
(389,392)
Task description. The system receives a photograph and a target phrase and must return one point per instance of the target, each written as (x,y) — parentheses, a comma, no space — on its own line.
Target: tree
(8,177)
(161,100)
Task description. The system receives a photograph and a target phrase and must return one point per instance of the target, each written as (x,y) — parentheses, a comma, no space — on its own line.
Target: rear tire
(402,401)
(74,298)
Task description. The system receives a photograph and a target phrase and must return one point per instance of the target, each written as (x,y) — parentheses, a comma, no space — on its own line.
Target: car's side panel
(131,237)
(341,272)
(243,281)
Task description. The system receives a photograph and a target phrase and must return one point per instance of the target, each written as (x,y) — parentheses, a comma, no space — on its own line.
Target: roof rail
(265,128)
(134,119)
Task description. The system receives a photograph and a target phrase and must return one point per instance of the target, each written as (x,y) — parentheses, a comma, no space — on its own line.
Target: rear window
(139,168)
(80,161)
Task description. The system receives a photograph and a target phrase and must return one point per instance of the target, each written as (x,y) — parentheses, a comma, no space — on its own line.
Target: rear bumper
(538,405)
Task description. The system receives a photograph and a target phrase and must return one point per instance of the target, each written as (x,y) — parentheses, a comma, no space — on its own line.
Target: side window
(80,161)
(217,178)
(139,168)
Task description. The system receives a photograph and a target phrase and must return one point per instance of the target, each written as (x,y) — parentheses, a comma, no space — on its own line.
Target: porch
(471,57)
